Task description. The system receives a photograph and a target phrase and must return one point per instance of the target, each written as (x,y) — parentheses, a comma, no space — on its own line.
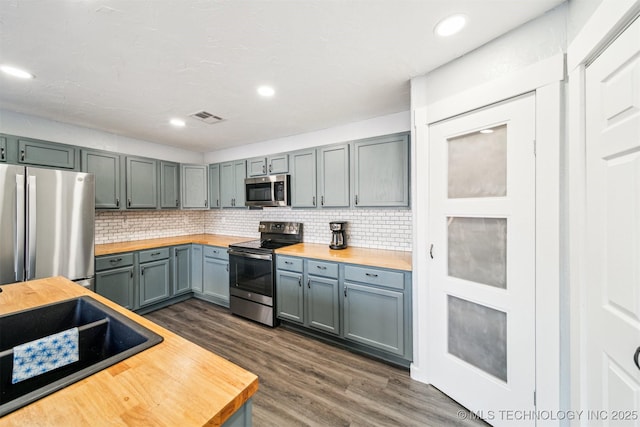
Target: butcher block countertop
(175,383)
(396,260)
(137,245)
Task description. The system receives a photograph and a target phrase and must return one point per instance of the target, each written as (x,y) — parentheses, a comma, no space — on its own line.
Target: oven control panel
(280,227)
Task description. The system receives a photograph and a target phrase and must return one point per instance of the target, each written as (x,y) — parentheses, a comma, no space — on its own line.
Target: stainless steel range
(252,270)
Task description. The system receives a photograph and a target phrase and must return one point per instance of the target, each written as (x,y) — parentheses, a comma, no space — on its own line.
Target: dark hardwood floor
(305,382)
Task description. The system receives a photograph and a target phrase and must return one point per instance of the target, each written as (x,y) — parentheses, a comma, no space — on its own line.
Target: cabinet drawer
(289,263)
(374,276)
(326,269)
(114,261)
(154,254)
(216,252)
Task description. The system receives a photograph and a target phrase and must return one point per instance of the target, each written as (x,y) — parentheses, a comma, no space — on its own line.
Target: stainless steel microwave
(267,191)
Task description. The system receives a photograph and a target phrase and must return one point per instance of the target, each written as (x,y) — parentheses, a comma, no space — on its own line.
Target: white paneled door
(482,260)
(612,279)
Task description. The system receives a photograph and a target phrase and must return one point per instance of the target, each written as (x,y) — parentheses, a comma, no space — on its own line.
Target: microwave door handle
(18,254)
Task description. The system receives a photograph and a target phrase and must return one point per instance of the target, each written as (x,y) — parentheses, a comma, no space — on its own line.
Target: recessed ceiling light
(450,25)
(179,123)
(486,131)
(266,91)
(16,72)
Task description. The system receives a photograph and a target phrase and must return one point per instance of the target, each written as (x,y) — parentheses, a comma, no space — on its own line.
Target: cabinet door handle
(129,202)
(227,267)
(431,251)
(264,169)
(371,274)
(205,203)
(314,200)
(288,262)
(321,267)
(217,202)
(142,271)
(322,200)
(356,200)
(177,204)
(22,155)
(132,273)
(270,168)
(345,291)
(118,202)
(113,261)
(300,281)
(2,153)
(309,283)
(156,253)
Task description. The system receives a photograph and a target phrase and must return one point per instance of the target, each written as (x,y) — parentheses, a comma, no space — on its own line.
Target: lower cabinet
(181,272)
(196,268)
(154,277)
(364,308)
(215,275)
(115,279)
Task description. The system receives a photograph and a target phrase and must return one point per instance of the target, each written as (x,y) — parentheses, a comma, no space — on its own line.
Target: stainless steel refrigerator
(46,224)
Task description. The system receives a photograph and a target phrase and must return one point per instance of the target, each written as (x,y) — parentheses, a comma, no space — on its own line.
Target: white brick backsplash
(367,228)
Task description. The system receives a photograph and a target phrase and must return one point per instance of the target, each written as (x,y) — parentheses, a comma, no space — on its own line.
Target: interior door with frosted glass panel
(482,266)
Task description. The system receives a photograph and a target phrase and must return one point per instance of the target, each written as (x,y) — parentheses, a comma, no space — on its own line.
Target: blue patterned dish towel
(45,354)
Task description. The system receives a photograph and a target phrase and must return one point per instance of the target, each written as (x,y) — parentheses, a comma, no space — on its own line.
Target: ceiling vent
(206,117)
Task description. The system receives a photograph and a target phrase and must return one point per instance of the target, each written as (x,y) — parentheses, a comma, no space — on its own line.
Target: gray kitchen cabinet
(377,309)
(3,149)
(290,289)
(196,268)
(181,271)
(322,296)
(141,179)
(333,176)
(169,185)
(215,275)
(115,278)
(276,164)
(381,171)
(44,153)
(154,276)
(195,186)
(232,175)
(303,179)
(106,168)
(214,186)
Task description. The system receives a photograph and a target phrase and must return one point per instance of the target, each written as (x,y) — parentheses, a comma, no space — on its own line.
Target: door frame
(606,23)
(545,78)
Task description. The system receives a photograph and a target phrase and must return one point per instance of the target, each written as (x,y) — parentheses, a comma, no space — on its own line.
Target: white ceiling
(128,66)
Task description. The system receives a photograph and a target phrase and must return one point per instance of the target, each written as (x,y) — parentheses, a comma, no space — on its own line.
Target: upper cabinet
(195,190)
(169,185)
(272,165)
(141,181)
(214,186)
(106,168)
(44,153)
(232,175)
(303,179)
(381,171)
(333,176)
(3,149)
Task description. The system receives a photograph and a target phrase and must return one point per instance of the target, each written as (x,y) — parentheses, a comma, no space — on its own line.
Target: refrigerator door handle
(18,248)
(31,228)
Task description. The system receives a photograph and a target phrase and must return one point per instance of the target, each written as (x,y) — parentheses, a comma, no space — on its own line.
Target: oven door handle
(266,257)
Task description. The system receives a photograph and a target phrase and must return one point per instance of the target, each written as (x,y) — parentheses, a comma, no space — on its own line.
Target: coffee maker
(338,234)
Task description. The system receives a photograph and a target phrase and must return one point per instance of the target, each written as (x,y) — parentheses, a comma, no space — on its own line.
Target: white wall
(384,125)
(39,128)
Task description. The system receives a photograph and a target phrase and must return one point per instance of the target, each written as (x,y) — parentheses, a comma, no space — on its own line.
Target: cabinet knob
(118,202)
(2,153)
(129,202)
(142,271)
(22,155)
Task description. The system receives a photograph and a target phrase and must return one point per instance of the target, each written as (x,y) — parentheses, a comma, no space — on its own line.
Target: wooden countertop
(137,245)
(397,260)
(175,383)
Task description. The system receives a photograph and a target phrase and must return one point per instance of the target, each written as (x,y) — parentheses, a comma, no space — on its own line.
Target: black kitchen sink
(105,337)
